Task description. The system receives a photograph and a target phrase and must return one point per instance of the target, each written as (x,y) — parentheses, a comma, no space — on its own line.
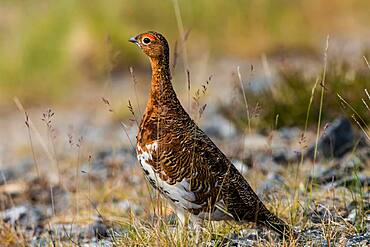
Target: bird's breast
(178,192)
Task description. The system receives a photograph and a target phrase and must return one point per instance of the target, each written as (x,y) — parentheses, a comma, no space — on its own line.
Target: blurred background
(49,48)
(67,55)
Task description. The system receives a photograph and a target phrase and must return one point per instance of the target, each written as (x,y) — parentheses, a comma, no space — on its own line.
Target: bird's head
(152,43)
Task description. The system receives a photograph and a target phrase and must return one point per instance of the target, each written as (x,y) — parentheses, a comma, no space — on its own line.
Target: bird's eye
(146,41)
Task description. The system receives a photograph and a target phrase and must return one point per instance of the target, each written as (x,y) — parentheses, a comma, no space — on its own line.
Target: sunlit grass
(292,92)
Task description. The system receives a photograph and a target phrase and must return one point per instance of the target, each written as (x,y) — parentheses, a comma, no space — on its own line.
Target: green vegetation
(286,99)
(47,46)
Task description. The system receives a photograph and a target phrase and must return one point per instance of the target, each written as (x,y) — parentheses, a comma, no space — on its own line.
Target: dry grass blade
(183,36)
(175,56)
(366,105)
(245,99)
(364,101)
(131,109)
(356,117)
(124,126)
(47,118)
(322,83)
(107,103)
(27,122)
(188,79)
(135,89)
(32,127)
(10,236)
(360,126)
(197,97)
(363,122)
(367,62)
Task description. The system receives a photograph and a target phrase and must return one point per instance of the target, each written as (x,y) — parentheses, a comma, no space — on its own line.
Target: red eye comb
(151,37)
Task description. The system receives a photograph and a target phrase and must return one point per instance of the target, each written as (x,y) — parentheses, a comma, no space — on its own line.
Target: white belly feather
(178,193)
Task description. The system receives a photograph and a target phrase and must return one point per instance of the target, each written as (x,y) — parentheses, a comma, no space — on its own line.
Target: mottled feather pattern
(182,162)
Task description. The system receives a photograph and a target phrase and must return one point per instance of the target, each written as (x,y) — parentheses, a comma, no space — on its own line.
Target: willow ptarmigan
(181,161)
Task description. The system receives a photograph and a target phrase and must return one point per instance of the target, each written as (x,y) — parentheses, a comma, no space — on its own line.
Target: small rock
(218,127)
(65,231)
(359,211)
(126,205)
(337,140)
(245,238)
(339,174)
(109,163)
(362,239)
(255,142)
(352,217)
(23,215)
(318,174)
(273,182)
(355,183)
(41,192)
(12,215)
(88,234)
(252,237)
(313,237)
(280,158)
(15,172)
(321,214)
(289,133)
(98,230)
(103,243)
(364,203)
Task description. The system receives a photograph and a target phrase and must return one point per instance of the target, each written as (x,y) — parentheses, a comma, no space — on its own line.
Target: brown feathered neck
(161,91)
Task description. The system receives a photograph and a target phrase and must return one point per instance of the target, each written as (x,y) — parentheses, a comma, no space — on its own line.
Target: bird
(182,162)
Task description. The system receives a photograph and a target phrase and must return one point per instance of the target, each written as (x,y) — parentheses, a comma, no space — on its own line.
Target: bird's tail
(273,222)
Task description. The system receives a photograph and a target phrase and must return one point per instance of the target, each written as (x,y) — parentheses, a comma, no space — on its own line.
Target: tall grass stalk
(296,204)
(368,96)
(245,99)
(31,144)
(35,131)
(132,72)
(123,125)
(310,104)
(366,105)
(50,130)
(321,102)
(76,145)
(367,62)
(307,119)
(180,26)
(356,117)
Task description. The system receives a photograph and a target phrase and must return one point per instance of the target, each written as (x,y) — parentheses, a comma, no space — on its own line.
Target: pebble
(15,172)
(23,215)
(273,182)
(337,140)
(362,239)
(126,205)
(218,127)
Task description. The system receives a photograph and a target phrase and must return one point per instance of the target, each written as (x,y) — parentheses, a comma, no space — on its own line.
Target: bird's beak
(133,40)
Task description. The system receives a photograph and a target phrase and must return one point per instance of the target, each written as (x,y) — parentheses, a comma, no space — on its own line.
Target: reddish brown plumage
(182,162)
